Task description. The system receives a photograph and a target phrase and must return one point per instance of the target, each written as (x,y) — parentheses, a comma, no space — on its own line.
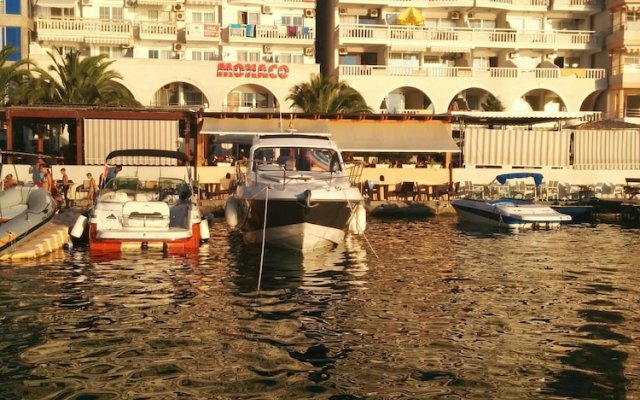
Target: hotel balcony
(624,36)
(443,38)
(279,34)
(87,30)
(159,3)
(409,3)
(585,6)
(204,2)
(158,31)
(488,76)
(515,5)
(277,3)
(203,33)
(628,78)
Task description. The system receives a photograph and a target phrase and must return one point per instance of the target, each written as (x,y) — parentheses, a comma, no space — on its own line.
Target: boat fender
(231,212)
(79,227)
(358,222)
(204,230)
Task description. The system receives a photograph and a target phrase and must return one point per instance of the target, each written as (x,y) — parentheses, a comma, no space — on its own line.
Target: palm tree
(492,103)
(73,79)
(324,94)
(12,75)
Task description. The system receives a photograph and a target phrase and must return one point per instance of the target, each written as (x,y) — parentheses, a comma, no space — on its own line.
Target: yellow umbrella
(411,16)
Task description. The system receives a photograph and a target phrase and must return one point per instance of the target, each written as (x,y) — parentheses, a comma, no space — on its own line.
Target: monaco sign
(252,70)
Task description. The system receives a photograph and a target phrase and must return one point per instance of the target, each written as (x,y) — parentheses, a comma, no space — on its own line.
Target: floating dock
(54,235)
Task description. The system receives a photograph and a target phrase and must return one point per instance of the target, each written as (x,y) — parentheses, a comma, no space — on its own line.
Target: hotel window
(155,54)
(631,64)
(288,58)
(210,56)
(167,54)
(62,12)
(248,18)
(196,55)
(11,35)
(292,20)
(153,15)
(483,24)
(248,56)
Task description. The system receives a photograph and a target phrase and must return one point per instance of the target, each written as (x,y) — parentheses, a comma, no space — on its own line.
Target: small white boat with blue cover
(510,213)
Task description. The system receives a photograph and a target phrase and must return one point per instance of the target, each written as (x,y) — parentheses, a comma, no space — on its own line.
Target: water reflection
(440,312)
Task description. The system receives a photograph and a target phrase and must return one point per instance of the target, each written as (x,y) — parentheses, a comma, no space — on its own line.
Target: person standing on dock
(65,186)
(92,188)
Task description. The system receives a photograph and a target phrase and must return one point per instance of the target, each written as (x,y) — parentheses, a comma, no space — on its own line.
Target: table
(380,190)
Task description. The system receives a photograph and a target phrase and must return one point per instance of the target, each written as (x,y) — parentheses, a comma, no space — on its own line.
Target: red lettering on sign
(240,70)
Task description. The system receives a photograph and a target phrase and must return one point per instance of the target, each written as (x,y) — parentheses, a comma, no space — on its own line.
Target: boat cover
(503,178)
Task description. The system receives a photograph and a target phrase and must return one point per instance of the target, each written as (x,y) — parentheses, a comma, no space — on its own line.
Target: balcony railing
(271,34)
(520,5)
(161,3)
(87,30)
(158,31)
(469,72)
(477,38)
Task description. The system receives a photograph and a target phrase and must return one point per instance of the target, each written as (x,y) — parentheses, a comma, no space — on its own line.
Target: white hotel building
(245,55)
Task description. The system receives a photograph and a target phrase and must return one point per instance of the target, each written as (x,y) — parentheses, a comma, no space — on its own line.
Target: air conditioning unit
(178,7)
(266,9)
(131,3)
(178,47)
(266,49)
(308,51)
(343,51)
(374,12)
(454,15)
(180,16)
(87,2)
(343,11)
(309,12)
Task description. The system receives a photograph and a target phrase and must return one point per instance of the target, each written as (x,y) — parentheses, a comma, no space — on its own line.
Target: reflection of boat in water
(23,209)
(132,214)
(295,194)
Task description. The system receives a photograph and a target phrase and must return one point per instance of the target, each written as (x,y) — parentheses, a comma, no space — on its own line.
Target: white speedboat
(131,214)
(295,193)
(509,213)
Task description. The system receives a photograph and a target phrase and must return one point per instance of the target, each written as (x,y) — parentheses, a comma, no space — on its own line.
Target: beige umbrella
(411,16)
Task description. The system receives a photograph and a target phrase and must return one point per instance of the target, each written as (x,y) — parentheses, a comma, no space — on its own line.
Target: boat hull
(511,214)
(295,225)
(179,241)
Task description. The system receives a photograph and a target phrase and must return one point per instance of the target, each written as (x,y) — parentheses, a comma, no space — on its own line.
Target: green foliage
(12,75)
(72,79)
(327,95)
(492,104)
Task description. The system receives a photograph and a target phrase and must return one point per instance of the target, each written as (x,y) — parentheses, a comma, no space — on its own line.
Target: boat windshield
(163,188)
(297,159)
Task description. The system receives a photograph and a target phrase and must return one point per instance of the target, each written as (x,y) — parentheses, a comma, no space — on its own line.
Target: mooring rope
(264,235)
(353,215)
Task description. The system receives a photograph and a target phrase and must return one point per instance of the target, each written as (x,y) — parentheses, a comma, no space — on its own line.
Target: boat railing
(355,170)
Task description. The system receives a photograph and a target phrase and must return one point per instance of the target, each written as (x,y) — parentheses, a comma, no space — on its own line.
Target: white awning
(243,130)
(393,136)
(516,147)
(57,3)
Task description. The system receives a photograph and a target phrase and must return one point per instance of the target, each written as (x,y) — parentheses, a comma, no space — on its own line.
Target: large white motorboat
(131,214)
(296,193)
(510,213)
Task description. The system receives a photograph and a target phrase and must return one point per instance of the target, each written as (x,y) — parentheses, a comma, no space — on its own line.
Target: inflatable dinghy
(23,210)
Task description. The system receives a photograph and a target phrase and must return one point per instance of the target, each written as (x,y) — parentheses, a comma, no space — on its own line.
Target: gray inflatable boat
(23,209)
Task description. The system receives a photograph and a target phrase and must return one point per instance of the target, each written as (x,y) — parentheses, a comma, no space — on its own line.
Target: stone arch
(406,99)
(594,101)
(250,97)
(179,93)
(472,99)
(540,99)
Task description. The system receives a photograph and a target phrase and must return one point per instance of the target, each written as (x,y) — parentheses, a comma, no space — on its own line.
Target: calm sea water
(419,309)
